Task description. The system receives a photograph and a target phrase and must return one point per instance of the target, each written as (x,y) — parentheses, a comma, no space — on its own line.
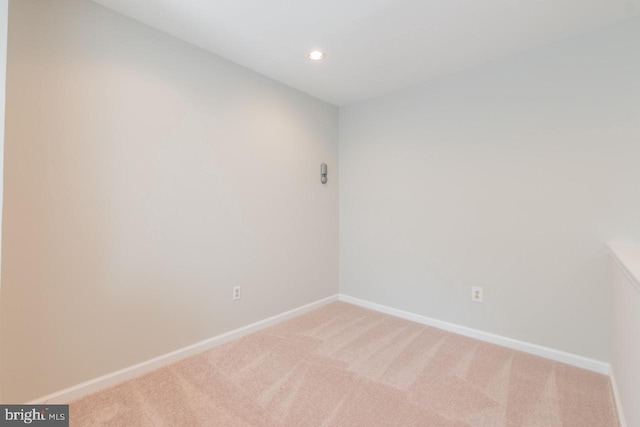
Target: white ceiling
(373,46)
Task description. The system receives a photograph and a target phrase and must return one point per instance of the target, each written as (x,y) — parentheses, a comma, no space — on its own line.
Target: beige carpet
(342,365)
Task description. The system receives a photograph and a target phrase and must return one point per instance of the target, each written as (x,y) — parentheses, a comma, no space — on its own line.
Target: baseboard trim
(99,383)
(538,350)
(616,398)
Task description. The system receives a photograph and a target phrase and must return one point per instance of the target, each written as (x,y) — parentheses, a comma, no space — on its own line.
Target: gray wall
(144,179)
(511,176)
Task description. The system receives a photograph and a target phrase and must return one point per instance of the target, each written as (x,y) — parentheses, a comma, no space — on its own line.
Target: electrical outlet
(236,293)
(476,294)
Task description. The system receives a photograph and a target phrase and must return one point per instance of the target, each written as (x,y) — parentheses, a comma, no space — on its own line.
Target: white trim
(538,350)
(625,255)
(616,398)
(99,383)
(96,384)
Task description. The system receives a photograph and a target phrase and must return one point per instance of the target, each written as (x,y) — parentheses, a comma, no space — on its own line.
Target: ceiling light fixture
(316,55)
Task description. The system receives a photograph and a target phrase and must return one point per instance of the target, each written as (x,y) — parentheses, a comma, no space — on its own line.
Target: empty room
(337,213)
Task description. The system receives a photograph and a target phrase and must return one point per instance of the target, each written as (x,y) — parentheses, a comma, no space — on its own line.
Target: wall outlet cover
(476,294)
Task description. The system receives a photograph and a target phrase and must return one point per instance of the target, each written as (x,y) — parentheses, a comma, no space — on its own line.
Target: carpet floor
(342,365)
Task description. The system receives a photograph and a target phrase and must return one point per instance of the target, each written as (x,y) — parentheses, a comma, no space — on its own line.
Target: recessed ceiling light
(316,55)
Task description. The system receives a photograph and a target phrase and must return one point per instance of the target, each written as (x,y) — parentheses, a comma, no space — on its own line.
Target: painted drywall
(144,179)
(512,177)
(625,337)
(4,19)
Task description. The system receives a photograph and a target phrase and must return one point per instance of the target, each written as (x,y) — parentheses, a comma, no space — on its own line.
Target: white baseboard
(538,350)
(96,384)
(616,398)
(99,383)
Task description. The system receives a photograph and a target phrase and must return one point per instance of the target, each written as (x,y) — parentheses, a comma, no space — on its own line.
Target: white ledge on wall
(627,256)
